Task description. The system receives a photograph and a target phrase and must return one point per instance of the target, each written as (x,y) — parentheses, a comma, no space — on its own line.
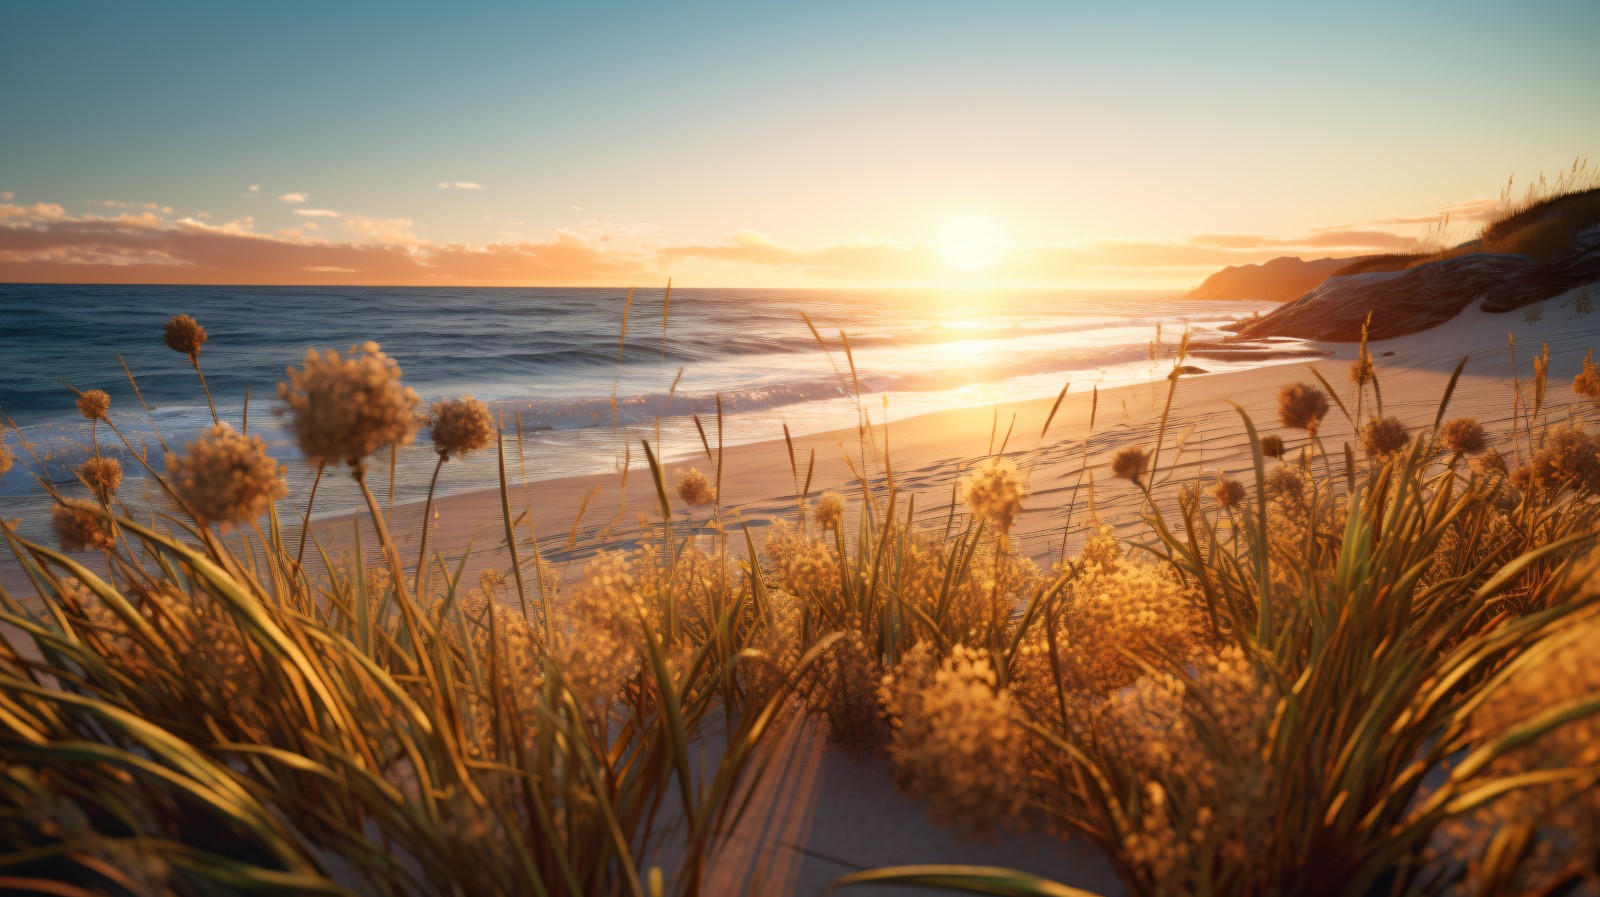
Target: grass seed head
(1463,435)
(6,459)
(103,475)
(1130,463)
(185,335)
(695,489)
(347,407)
(1272,445)
(829,512)
(461,426)
(1227,492)
(1587,382)
(226,478)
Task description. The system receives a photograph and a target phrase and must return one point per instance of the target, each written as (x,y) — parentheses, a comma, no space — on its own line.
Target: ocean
(585,390)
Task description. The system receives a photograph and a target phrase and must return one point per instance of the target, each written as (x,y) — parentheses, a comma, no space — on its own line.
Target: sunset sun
(971,243)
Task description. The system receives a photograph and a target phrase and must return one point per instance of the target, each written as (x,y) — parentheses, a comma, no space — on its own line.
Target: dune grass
(1354,671)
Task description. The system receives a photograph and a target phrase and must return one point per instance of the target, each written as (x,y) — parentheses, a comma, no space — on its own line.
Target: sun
(971,242)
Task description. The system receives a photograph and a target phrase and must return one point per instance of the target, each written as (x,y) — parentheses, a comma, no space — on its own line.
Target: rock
(1417,298)
(1279,280)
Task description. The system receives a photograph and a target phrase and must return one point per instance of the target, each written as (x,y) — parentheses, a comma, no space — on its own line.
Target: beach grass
(1352,671)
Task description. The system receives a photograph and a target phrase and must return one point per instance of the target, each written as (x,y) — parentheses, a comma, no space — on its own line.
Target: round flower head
(829,513)
(1302,406)
(103,475)
(994,491)
(347,407)
(94,404)
(1491,463)
(226,478)
(460,426)
(184,334)
(80,527)
(1272,445)
(1130,463)
(1227,492)
(695,489)
(1384,437)
(1286,484)
(1462,435)
(1587,382)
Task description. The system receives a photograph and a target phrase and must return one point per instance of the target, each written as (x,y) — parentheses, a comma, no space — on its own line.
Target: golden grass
(1334,676)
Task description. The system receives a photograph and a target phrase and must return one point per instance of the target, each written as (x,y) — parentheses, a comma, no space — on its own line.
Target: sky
(818,144)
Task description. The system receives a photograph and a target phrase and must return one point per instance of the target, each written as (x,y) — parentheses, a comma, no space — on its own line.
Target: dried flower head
(94,404)
(1130,463)
(1384,437)
(1286,484)
(1272,445)
(460,426)
(1302,406)
(184,334)
(1569,456)
(1491,462)
(829,512)
(103,475)
(80,526)
(6,459)
(994,492)
(1587,382)
(1463,435)
(347,407)
(1227,491)
(226,478)
(695,489)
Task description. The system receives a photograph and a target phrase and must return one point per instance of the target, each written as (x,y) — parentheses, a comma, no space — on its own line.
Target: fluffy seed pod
(226,478)
(1361,369)
(347,407)
(1130,463)
(94,404)
(1490,463)
(185,335)
(695,489)
(1462,435)
(994,492)
(461,426)
(1587,382)
(1302,406)
(1272,445)
(829,512)
(1384,437)
(1227,492)
(104,475)
(80,527)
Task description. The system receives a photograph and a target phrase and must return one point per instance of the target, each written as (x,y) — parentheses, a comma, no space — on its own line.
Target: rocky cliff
(1279,280)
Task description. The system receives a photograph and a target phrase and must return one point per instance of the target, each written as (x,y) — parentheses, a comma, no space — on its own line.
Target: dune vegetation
(1357,670)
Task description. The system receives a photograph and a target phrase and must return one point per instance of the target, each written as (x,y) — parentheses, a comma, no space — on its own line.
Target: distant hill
(1284,278)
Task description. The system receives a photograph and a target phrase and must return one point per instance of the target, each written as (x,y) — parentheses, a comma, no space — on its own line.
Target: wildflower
(602,650)
(1227,492)
(1568,455)
(103,475)
(1463,435)
(347,407)
(80,527)
(460,426)
(695,489)
(959,744)
(1272,445)
(1384,437)
(1587,382)
(184,334)
(829,513)
(226,478)
(846,690)
(994,491)
(94,404)
(1286,484)
(1302,406)
(1130,463)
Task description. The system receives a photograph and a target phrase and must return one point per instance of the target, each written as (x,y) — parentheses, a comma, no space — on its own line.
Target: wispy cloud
(255,188)
(459,185)
(293,197)
(317,213)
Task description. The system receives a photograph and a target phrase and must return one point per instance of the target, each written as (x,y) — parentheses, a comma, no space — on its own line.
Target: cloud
(317,213)
(393,231)
(255,188)
(459,185)
(1337,237)
(7,196)
(293,197)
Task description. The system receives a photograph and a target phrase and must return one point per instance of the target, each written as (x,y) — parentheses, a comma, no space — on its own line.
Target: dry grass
(1336,676)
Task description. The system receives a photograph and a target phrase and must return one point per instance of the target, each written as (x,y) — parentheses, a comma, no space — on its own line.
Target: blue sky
(810,126)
